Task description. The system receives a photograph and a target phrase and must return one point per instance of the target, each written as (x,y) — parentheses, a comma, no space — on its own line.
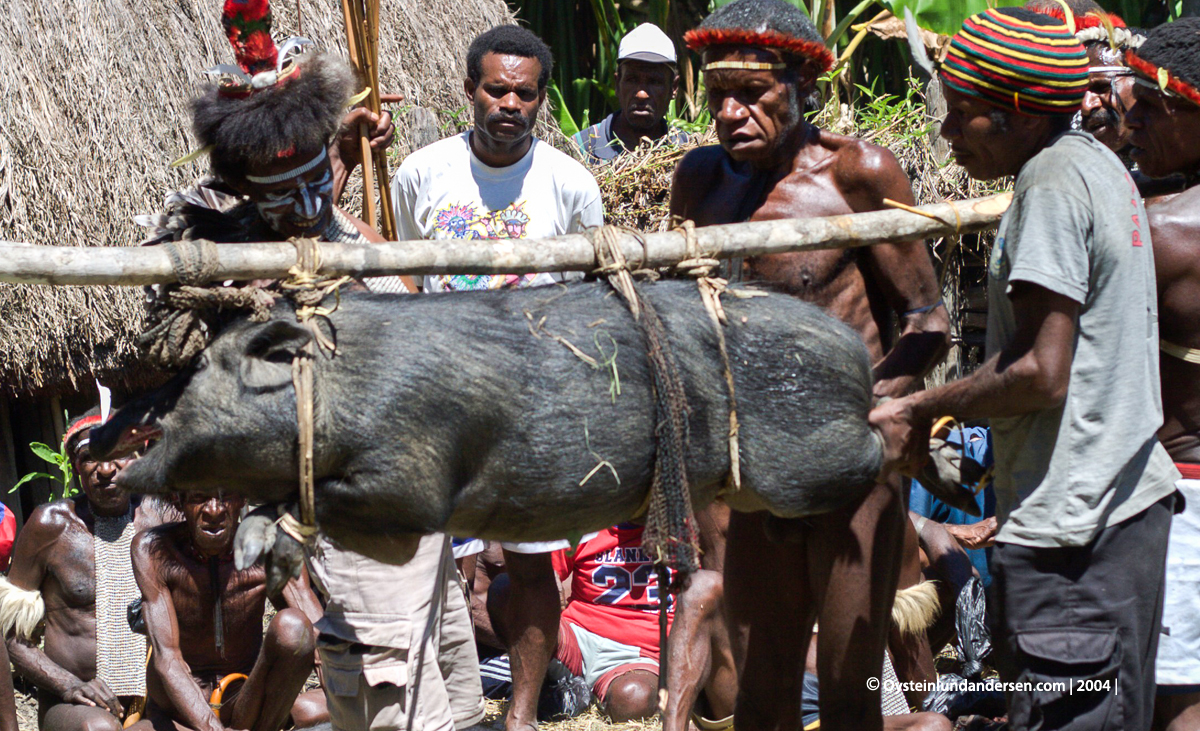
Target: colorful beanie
(1170,58)
(1017,59)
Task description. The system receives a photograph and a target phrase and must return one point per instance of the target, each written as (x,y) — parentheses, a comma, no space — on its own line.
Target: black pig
(467,413)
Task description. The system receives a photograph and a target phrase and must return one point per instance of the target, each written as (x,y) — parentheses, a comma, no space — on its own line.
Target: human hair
(1176,48)
(509,40)
(300,114)
(1001,120)
(776,24)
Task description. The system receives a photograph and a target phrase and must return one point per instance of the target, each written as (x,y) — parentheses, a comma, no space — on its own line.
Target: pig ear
(267,360)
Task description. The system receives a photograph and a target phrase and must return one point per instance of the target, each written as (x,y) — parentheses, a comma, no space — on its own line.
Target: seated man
(974,533)
(71,574)
(608,633)
(204,620)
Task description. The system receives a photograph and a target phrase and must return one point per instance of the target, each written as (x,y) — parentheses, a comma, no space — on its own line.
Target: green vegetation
(59,459)
(584,35)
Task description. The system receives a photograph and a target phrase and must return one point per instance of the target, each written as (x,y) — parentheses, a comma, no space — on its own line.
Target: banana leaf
(944,16)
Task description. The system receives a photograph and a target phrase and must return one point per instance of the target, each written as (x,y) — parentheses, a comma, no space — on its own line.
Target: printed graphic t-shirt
(1077,227)
(443,191)
(614,587)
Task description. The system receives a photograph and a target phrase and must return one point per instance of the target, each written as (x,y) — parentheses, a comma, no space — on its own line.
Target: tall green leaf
(944,16)
(562,115)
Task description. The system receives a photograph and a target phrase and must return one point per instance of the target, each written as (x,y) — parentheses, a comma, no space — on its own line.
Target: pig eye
(201,362)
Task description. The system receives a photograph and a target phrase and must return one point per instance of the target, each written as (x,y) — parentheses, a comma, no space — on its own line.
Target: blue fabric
(810,711)
(922,502)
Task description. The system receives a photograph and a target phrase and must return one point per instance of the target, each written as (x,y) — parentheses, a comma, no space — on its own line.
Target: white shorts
(464,547)
(1178,660)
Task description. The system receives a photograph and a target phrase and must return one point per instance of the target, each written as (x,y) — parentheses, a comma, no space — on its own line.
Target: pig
(473,413)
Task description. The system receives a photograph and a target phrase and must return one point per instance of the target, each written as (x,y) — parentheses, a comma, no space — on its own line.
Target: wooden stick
(368,189)
(131,266)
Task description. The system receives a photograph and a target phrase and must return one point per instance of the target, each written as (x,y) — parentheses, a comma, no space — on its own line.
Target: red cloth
(614,588)
(8,534)
(1189,471)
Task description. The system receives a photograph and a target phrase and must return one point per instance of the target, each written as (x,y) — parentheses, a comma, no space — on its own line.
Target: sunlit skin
(55,554)
(842,568)
(985,149)
(211,522)
(97,479)
(298,206)
(1108,95)
(177,566)
(1163,133)
(506,102)
(757,117)
(644,91)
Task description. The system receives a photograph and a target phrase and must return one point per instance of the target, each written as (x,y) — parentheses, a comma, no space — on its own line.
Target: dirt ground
(493,721)
(592,720)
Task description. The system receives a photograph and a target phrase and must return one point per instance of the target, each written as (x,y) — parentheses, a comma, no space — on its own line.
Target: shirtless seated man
(182,570)
(53,579)
(761,59)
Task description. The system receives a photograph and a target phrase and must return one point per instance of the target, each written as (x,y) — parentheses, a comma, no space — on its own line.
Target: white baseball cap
(646,43)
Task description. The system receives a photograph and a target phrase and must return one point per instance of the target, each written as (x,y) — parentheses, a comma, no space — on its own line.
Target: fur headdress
(276,102)
(762,24)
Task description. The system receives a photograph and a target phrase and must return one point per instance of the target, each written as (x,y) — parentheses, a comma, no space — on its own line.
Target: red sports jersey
(614,588)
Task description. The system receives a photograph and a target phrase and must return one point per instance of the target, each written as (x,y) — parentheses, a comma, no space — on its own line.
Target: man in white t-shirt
(498,181)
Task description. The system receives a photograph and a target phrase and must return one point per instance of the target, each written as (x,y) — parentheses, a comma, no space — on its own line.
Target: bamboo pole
(132,266)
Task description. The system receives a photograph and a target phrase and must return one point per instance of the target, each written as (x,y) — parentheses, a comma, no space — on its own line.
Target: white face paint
(302,208)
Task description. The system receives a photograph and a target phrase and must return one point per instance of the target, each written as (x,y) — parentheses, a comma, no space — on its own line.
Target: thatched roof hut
(93,107)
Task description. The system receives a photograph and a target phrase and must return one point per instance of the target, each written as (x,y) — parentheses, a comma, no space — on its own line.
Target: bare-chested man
(761,60)
(204,620)
(54,578)
(1165,128)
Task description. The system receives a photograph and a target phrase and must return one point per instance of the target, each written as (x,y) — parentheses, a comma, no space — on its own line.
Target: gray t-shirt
(1077,227)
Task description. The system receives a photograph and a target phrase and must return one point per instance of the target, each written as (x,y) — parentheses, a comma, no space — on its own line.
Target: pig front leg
(258,536)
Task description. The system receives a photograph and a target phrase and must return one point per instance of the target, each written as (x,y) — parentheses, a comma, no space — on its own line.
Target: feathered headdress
(274,102)
(260,64)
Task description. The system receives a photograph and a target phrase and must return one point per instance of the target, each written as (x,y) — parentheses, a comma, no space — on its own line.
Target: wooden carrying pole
(23,263)
(362,42)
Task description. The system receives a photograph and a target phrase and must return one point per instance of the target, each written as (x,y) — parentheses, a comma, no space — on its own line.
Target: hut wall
(94,102)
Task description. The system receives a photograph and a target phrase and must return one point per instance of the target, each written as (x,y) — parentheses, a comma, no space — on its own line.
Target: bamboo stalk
(131,266)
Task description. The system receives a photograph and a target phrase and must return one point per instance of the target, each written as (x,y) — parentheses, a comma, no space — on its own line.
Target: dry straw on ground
(637,185)
(93,98)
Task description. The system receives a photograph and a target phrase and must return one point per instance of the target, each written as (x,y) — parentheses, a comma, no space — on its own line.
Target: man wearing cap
(1084,489)
(71,575)
(761,60)
(646,80)
(1165,125)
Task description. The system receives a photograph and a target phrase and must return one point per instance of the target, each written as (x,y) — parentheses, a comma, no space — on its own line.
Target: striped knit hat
(1018,59)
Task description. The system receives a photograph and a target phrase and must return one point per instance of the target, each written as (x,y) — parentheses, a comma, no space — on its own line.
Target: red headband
(1174,83)
(86,422)
(701,38)
(1082,22)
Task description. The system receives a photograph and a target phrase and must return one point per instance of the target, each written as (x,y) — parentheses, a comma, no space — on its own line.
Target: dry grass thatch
(636,186)
(93,98)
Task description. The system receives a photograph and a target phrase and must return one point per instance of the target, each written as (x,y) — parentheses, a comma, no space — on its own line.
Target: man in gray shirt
(1084,490)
